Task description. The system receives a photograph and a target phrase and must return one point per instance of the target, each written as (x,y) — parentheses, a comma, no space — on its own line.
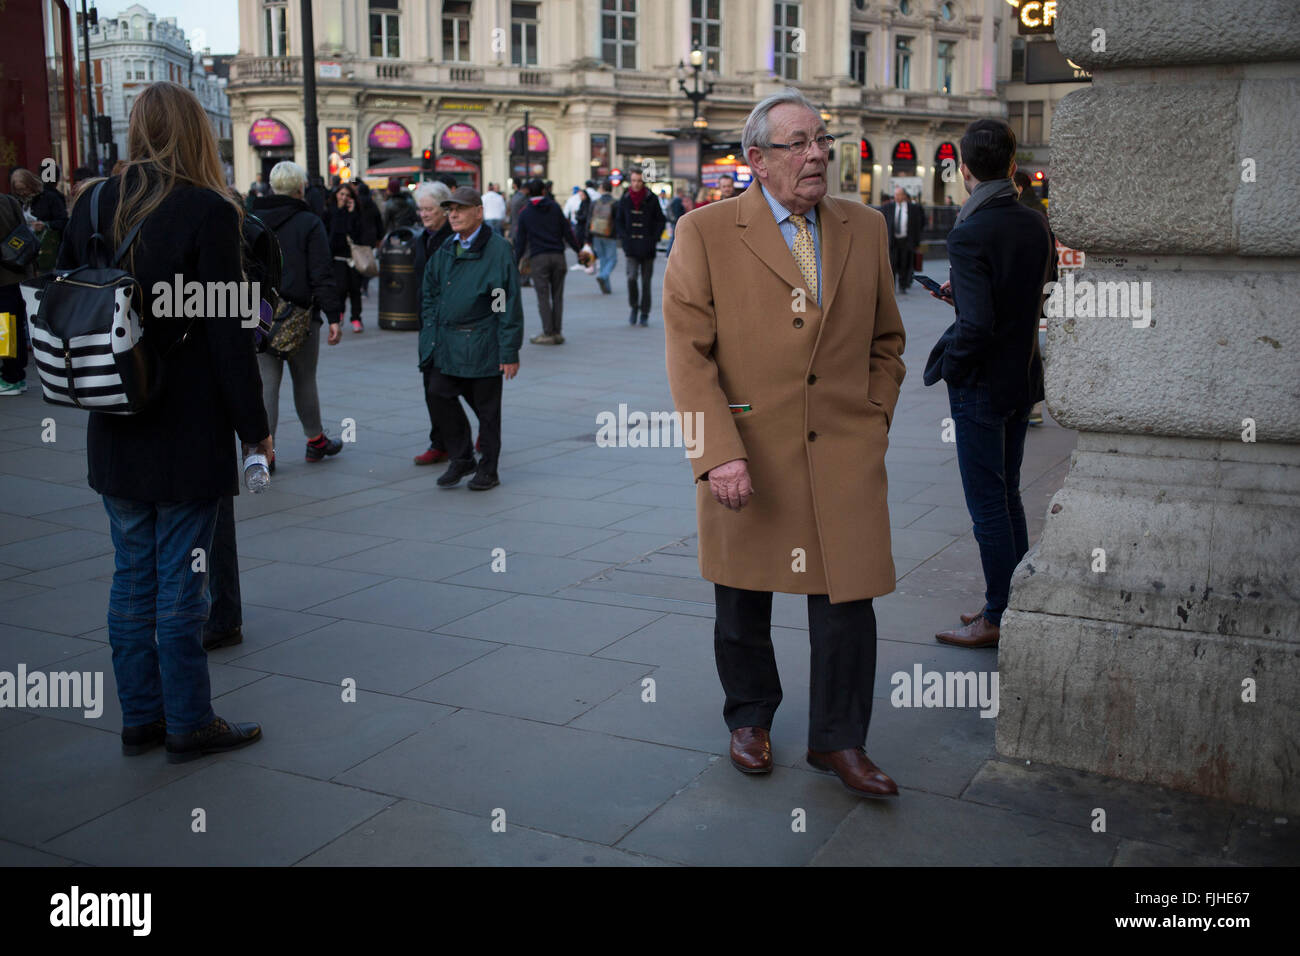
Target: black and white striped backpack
(86,334)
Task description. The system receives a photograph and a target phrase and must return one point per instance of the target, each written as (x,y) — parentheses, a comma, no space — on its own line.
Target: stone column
(1179,663)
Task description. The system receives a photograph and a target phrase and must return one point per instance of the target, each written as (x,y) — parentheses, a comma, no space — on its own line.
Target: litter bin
(399,286)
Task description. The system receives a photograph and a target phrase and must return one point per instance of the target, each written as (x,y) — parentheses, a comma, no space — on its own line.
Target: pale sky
(217,19)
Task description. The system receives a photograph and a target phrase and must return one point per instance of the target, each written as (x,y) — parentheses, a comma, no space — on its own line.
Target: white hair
(437,190)
(288,178)
(756,128)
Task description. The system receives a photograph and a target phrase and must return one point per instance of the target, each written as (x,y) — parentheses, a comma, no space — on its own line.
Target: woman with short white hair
(307,281)
(429,198)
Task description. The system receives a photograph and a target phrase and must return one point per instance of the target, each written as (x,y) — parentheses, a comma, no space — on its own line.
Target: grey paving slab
(70,774)
(90,516)
(903,515)
(1133,811)
(309,729)
(393,522)
(245,814)
(934,749)
(265,627)
(533,537)
(296,587)
(680,521)
(672,565)
(414,834)
(1139,853)
(342,504)
(552,778)
(625,546)
(73,609)
(100,566)
(643,601)
(32,498)
(305,545)
(951,519)
(17,528)
(37,649)
(583,514)
(390,660)
(528,682)
(680,495)
(422,560)
(527,482)
(321,482)
(418,605)
(552,624)
(273,500)
(47,463)
(529,574)
(925,829)
(14,854)
(913,543)
(568,464)
(628,580)
(1261,838)
(54,550)
(726,818)
(423,493)
(10,718)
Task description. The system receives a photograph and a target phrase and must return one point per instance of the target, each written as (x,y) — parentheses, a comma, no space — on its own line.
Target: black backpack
(263,264)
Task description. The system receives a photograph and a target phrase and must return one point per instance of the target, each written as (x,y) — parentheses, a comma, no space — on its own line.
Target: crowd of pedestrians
(169,471)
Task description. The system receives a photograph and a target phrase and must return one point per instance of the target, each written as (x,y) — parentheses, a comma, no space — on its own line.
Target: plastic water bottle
(256,475)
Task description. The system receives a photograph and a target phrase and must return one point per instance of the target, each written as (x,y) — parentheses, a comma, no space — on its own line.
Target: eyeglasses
(800,147)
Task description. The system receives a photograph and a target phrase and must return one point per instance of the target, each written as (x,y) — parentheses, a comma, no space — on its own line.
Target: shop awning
(397,166)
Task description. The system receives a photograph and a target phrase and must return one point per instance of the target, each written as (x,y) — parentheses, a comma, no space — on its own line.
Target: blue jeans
(496,225)
(156,590)
(990,448)
(606,250)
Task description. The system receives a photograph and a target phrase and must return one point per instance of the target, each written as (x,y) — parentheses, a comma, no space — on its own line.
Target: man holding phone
(999,254)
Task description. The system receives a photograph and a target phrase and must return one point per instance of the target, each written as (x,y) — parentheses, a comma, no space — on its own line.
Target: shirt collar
(781,213)
(466,243)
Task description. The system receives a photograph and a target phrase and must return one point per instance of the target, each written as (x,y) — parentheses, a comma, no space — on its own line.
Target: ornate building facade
(897,81)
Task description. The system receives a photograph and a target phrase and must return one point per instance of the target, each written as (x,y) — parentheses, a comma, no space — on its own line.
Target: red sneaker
(430,456)
(478,443)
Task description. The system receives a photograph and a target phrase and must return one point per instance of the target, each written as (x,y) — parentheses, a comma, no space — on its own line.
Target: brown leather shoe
(978,633)
(856,771)
(969,618)
(751,750)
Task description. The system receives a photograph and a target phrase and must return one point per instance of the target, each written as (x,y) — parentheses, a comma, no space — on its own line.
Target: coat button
(812,436)
(812,379)
(798,323)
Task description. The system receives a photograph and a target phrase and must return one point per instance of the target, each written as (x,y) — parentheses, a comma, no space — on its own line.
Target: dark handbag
(289,328)
(918,260)
(21,245)
(86,335)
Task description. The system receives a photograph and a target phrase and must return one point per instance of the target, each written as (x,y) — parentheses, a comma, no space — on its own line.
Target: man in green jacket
(471,327)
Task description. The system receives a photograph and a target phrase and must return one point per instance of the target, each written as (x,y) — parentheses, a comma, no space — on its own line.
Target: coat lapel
(763,237)
(836,239)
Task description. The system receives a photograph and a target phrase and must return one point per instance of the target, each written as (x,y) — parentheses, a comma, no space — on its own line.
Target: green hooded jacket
(472,318)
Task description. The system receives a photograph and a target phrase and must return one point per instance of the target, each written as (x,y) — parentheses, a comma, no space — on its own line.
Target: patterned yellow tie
(805,254)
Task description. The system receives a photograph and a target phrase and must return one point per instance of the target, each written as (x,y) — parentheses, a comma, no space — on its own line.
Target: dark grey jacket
(308,273)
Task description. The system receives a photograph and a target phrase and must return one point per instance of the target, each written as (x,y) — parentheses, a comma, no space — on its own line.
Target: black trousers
(442,395)
(227,611)
(549,270)
(843,672)
(348,282)
(645,268)
(902,257)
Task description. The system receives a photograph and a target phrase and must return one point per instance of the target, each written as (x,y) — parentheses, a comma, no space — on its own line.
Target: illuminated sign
(340,147)
(1035,16)
(389,135)
(461,137)
(904,152)
(864,151)
(537,142)
(266,132)
(945,151)
(1044,63)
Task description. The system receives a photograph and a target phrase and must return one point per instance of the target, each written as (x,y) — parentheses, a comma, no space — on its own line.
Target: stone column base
(1179,663)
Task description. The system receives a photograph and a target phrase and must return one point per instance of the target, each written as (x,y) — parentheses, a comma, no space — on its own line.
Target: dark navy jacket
(999,260)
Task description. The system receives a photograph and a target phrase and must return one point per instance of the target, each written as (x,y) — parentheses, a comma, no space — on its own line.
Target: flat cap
(463,196)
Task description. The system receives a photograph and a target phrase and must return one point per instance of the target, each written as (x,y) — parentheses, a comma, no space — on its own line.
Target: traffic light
(426,163)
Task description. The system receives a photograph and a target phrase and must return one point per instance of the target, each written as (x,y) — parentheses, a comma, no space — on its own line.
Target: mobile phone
(929,284)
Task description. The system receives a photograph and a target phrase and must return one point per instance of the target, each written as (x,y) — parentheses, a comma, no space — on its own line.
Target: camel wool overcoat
(816,385)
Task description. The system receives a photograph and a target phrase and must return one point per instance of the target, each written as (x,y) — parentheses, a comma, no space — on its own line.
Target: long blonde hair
(169,132)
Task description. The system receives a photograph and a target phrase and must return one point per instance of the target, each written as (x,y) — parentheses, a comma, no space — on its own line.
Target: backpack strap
(94,227)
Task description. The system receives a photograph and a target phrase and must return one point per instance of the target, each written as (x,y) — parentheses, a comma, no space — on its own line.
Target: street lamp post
(696,96)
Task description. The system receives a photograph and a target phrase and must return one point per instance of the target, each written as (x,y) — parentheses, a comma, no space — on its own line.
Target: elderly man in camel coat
(784,336)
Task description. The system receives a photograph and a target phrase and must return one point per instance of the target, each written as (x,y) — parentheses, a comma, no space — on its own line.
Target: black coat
(1000,258)
(639,230)
(50,208)
(915,222)
(543,227)
(182,447)
(341,225)
(308,274)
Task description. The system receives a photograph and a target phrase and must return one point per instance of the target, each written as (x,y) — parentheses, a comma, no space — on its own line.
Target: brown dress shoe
(751,750)
(969,618)
(978,633)
(855,770)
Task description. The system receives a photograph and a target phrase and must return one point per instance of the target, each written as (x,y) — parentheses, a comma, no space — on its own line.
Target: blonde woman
(162,472)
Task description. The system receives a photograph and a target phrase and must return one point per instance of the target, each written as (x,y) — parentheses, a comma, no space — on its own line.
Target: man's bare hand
(730,484)
(946,289)
(509,369)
